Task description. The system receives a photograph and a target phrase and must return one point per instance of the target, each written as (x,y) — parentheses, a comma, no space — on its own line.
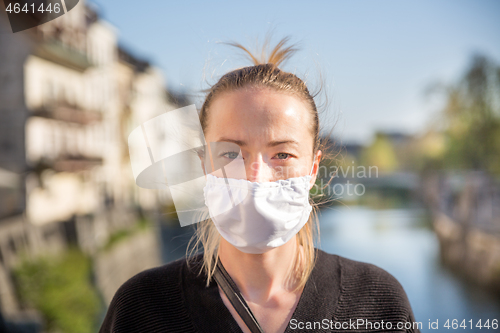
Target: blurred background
(410,102)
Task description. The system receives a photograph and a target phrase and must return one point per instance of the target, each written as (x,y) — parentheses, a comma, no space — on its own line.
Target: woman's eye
(231,155)
(282,156)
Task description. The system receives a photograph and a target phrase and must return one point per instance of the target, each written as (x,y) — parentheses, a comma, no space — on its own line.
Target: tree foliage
(60,288)
(472,118)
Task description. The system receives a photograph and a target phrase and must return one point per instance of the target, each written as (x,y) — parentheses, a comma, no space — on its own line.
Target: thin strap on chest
(236,298)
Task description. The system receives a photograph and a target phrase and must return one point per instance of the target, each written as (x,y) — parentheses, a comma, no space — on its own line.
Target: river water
(400,241)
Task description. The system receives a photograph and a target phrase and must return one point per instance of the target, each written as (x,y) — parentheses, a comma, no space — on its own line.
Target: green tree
(472,118)
(60,288)
(381,154)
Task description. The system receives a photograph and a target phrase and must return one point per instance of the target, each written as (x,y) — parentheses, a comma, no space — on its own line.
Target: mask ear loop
(223,174)
(312,168)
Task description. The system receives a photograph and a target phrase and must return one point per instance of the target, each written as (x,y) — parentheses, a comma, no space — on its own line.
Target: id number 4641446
(20,7)
(470,324)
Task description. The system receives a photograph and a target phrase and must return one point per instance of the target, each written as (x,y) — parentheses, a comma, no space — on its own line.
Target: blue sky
(375,57)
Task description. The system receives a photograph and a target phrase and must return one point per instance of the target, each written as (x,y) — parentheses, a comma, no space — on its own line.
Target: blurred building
(69,97)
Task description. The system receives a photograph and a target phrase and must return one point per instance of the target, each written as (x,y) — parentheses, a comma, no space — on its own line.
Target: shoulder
(368,291)
(159,277)
(153,277)
(357,274)
(355,270)
(151,294)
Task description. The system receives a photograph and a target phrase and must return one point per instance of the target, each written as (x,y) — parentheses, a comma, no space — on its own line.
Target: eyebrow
(270,144)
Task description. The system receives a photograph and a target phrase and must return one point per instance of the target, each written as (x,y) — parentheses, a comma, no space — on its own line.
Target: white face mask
(256,217)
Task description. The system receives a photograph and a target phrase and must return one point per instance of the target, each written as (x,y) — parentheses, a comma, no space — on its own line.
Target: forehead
(259,114)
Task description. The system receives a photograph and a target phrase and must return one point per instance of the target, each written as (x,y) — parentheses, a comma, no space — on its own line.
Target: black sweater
(340,295)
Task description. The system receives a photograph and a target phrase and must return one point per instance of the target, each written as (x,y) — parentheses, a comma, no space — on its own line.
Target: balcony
(55,51)
(75,163)
(65,112)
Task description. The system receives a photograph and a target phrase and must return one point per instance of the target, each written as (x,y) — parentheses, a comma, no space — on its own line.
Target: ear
(317,159)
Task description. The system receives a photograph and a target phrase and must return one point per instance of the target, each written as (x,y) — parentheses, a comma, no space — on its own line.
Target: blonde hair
(264,73)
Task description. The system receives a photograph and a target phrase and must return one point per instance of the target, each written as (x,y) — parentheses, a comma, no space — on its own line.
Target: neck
(259,277)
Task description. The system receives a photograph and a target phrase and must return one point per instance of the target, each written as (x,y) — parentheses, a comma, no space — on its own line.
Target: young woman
(264,248)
